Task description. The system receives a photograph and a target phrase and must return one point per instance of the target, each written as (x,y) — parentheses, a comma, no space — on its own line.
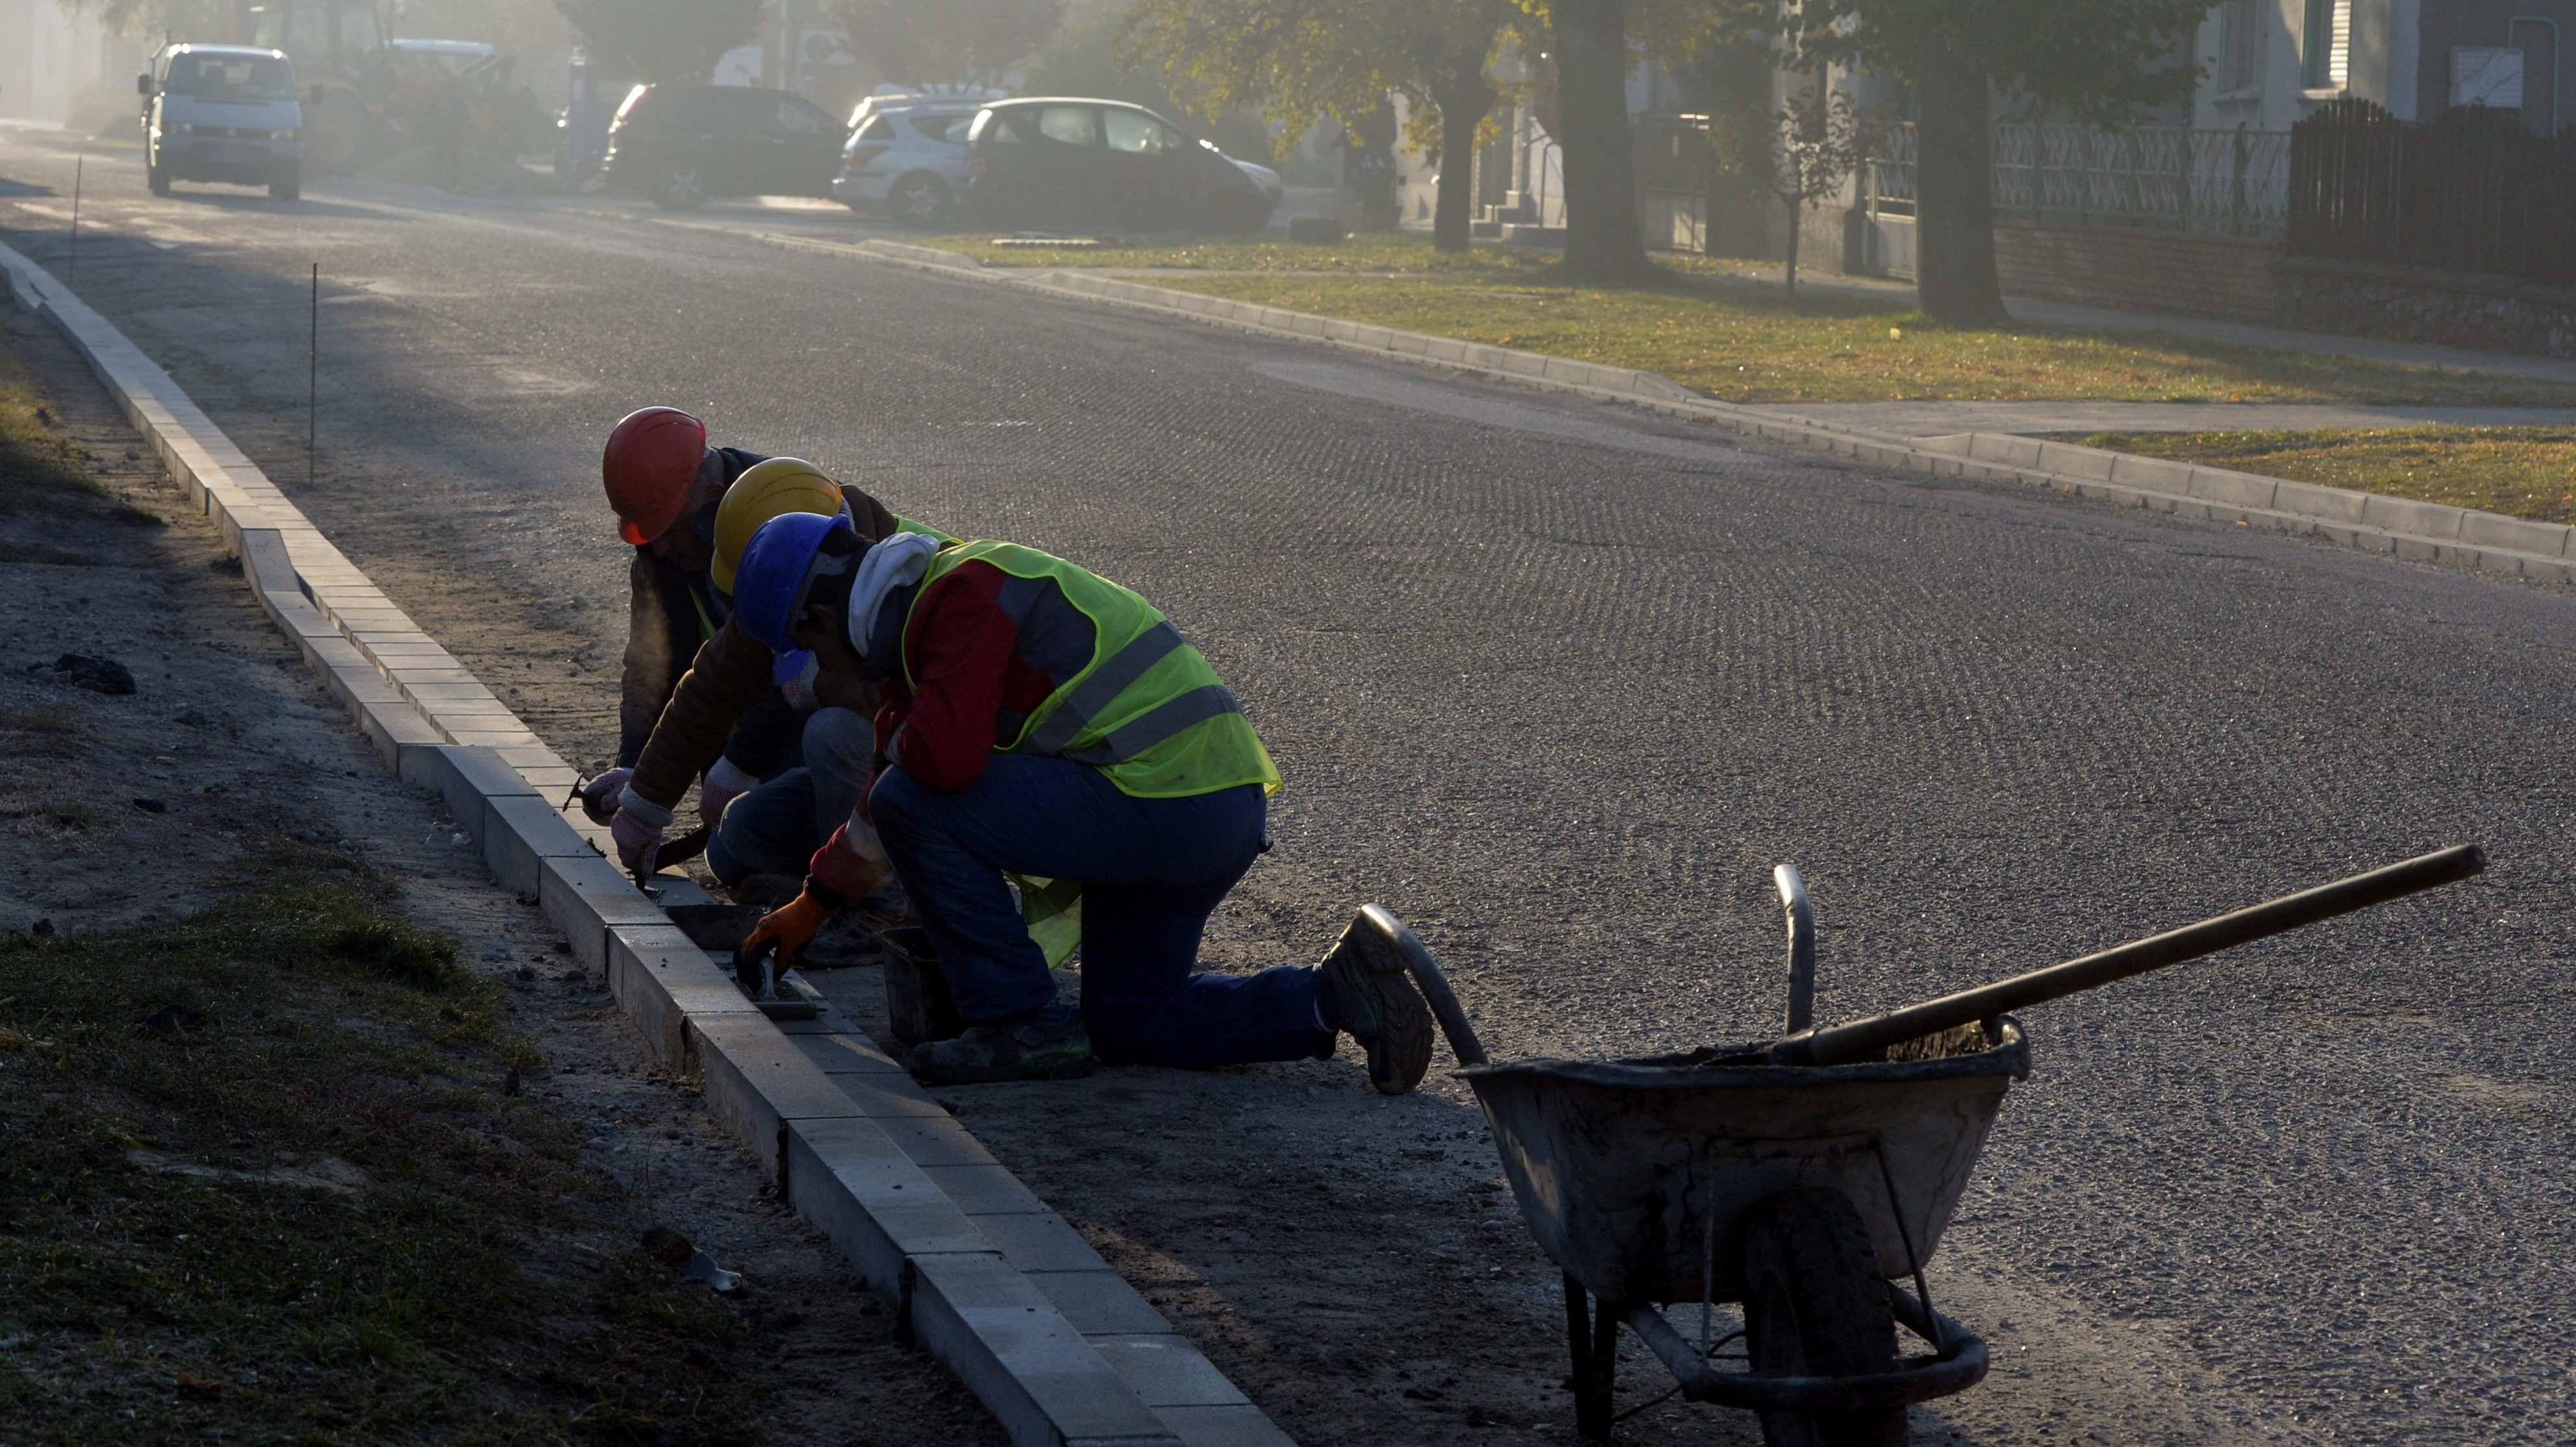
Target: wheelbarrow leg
(1592,1334)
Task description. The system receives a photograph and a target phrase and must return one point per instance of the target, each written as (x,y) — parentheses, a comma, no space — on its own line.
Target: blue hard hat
(769,583)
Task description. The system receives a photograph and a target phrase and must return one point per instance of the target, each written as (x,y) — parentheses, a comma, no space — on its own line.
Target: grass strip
(2524,472)
(260,1180)
(1709,330)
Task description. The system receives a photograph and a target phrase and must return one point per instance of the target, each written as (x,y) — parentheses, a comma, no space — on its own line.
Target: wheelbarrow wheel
(1814,1305)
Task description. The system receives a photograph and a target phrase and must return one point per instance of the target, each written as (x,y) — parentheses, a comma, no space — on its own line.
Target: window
(1139,134)
(993,128)
(2241,32)
(2325,45)
(950,129)
(1073,125)
(244,80)
(796,118)
(878,128)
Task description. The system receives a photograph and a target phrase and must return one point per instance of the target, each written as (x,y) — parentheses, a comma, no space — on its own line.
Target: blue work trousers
(776,827)
(1152,871)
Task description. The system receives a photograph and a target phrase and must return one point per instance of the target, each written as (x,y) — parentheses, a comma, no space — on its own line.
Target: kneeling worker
(1044,721)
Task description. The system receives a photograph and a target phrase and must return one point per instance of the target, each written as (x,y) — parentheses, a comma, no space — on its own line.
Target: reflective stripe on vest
(1147,711)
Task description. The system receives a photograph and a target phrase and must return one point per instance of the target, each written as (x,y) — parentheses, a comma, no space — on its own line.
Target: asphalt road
(1559,684)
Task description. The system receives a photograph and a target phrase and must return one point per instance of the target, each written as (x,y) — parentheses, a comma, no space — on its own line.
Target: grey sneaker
(1006,1051)
(1369,997)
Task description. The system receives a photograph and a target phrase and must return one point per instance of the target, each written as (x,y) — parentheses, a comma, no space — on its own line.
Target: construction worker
(665,484)
(1043,721)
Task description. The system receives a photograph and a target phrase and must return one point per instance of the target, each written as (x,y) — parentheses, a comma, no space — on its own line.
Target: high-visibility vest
(1147,710)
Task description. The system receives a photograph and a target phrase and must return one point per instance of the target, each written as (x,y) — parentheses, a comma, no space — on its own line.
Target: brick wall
(2138,269)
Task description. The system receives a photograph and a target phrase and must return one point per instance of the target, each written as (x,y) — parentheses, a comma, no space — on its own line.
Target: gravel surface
(1559,684)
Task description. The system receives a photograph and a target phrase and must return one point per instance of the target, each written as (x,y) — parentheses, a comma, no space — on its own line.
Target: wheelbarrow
(1803,1179)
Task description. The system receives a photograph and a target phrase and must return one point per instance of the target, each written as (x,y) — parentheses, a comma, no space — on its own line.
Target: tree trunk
(1797,214)
(1602,239)
(1464,96)
(1954,237)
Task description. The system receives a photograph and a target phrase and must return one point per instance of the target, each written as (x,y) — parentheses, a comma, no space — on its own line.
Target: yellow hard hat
(767,489)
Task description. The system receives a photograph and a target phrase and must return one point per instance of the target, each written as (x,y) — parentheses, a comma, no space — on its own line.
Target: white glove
(637,829)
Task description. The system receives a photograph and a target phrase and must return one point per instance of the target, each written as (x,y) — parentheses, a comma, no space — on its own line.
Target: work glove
(599,796)
(637,830)
(839,874)
(719,787)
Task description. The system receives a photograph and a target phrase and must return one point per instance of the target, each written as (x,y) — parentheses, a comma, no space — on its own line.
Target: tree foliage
(1303,61)
(1816,142)
(949,42)
(2101,61)
(662,40)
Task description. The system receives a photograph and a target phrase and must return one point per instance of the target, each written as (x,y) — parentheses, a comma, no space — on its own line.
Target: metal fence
(2472,190)
(2225,182)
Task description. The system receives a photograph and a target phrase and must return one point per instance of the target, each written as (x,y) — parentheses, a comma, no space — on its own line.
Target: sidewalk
(2243,334)
(1941,419)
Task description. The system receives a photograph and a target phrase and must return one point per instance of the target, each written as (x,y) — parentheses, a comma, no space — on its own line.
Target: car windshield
(244,79)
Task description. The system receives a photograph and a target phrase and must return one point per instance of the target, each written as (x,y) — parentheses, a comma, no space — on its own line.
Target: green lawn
(1720,336)
(260,1181)
(2526,472)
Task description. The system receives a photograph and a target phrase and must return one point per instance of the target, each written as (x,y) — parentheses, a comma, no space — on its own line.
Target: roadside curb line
(1003,1291)
(2370,522)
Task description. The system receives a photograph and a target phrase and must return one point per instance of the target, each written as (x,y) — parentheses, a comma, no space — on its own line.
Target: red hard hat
(650,465)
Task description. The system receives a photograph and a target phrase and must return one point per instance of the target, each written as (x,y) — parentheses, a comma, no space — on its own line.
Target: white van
(223,113)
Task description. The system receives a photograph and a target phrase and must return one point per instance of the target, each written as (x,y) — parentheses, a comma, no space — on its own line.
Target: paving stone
(1097,1302)
(989,1190)
(585,896)
(1042,1379)
(885,1097)
(1242,1426)
(848,1052)
(521,832)
(1039,1241)
(661,981)
(756,1081)
(406,742)
(1166,1371)
(860,1189)
(937,1142)
(466,777)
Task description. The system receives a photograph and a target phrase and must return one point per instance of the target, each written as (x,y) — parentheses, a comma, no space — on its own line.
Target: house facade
(2266,63)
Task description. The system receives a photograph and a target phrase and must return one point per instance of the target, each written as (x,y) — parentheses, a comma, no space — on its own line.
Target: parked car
(223,113)
(1067,161)
(683,144)
(906,156)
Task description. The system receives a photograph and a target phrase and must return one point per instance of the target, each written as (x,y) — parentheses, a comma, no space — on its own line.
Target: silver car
(222,113)
(906,156)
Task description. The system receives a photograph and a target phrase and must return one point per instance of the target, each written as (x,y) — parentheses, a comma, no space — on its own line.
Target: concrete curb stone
(2371,522)
(860,1149)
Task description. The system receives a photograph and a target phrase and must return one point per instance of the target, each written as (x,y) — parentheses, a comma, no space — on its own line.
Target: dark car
(1063,161)
(681,144)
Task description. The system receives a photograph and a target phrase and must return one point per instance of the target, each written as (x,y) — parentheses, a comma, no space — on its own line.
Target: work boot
(1368,996)
(1017,1049)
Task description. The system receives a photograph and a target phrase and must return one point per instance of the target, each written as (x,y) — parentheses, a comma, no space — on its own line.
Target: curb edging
(857,1147)
(2371,522)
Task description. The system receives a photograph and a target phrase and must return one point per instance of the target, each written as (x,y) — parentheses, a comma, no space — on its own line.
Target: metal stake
(313,376)
(71,265)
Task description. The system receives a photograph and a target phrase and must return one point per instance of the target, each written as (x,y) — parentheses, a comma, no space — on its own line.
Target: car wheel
(919,199)
(286,183)
(682,188)
(157,176)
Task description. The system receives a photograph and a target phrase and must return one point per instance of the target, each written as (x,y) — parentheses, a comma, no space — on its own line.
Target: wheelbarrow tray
(1636,1176)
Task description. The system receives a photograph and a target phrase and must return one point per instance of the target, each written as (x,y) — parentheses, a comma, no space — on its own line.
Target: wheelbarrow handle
(1433,984)
(1862,1038)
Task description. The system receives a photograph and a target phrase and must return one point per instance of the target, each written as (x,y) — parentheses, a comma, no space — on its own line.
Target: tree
(966,43)
(662,40)
(1304,60)
(1594,44)
(2101,61)
(1815,143)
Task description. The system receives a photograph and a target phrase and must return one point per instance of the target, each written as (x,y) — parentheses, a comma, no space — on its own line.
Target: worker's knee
(841,740)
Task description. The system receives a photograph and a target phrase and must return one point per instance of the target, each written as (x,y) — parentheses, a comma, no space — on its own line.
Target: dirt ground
(121,810)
